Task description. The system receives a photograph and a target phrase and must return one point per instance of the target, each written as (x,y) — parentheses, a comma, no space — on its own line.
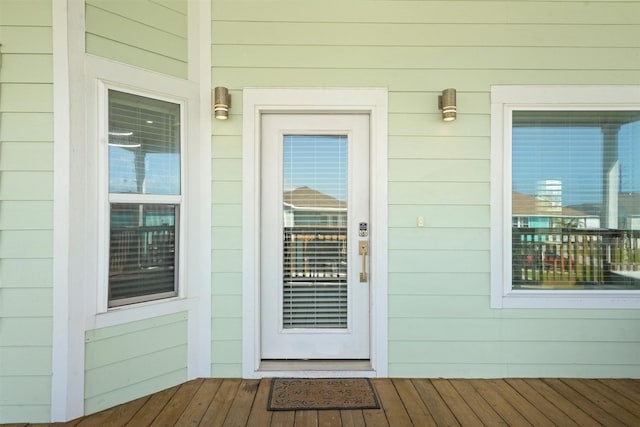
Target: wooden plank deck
(405,402)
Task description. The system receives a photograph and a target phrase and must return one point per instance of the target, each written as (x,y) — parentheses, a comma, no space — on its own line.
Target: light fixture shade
(447,103)
(222,100)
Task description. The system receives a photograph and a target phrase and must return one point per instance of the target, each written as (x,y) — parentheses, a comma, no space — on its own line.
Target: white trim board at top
(259,101)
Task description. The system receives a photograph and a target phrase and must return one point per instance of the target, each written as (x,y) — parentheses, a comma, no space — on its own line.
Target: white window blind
(144,145)
(315,231)
(575,199)
(144,160)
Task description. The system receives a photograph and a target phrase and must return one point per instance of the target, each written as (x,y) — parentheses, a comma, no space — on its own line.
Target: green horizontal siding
(415,80)
(151,13)
(15,340)
(24,185)
(226,220)
(422,34)
(484,351)
(26,210)
(147,34)
(425,12)
(454,238)
(134,359)
(227,237)
(33,391)
(26,40)
(24,358)
(495,330)
(26,272)
(26,215)
(440,216)
(26,156)
(440,323)
(26,303)
(21,97)
(25,13)
(13,126)
(439,170)
(407,58)
(25,69)
(440,193)
(438,147)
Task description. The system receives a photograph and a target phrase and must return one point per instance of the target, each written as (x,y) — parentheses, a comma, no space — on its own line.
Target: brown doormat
(289,394)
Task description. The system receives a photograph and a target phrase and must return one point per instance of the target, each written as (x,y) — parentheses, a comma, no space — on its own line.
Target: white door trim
(258,101)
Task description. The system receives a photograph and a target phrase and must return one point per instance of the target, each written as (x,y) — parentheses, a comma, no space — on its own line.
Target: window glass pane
(576,200)
(315,231)
(142,255)
(144,145)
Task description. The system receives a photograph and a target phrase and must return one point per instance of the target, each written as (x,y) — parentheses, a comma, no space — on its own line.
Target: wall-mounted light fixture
(447,103)
(222,101)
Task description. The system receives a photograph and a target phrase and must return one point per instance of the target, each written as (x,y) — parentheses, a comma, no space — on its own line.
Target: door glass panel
(315,231)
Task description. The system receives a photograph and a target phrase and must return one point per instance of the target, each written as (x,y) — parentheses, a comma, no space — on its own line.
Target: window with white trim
(565,196)
(144,161)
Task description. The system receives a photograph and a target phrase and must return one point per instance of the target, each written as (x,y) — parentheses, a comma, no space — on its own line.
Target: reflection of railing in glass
(315,277)
(315,252)
(142,261)
(557,258)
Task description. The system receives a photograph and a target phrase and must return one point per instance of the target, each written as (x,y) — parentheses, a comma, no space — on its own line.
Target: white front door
(314,222)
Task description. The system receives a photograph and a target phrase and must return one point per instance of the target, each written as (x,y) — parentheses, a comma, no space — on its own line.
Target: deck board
(391,403)
(352,418)
(328,418)
(522,405)
(623,388)
(177,404)
(196,409)
(607,404)
(488,390)
(416,408)
(480,407)
(460,409)
(259,415)
(404,402)
(437,407)
(552,412)
(221,403)
(151,409)
(593,410)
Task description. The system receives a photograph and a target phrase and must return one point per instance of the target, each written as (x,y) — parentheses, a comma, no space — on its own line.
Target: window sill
(146,310)
(568,299)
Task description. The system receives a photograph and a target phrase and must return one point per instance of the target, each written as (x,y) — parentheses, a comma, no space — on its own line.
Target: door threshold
(316,368)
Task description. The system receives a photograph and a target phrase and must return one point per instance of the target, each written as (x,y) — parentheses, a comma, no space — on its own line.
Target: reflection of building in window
(575,199)
(527,212)
(314,260)
(306,206)
(549,196)
(629,210)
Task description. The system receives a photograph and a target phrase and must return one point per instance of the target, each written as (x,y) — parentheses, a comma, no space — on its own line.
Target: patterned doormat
(289,394)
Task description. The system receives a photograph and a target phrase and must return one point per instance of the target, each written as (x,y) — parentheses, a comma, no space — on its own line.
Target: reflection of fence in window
(315,252)
(142,261)
(315,277)
(567,257)
(142,248)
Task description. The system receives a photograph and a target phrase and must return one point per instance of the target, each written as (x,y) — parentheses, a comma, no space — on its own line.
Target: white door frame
(258,101)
